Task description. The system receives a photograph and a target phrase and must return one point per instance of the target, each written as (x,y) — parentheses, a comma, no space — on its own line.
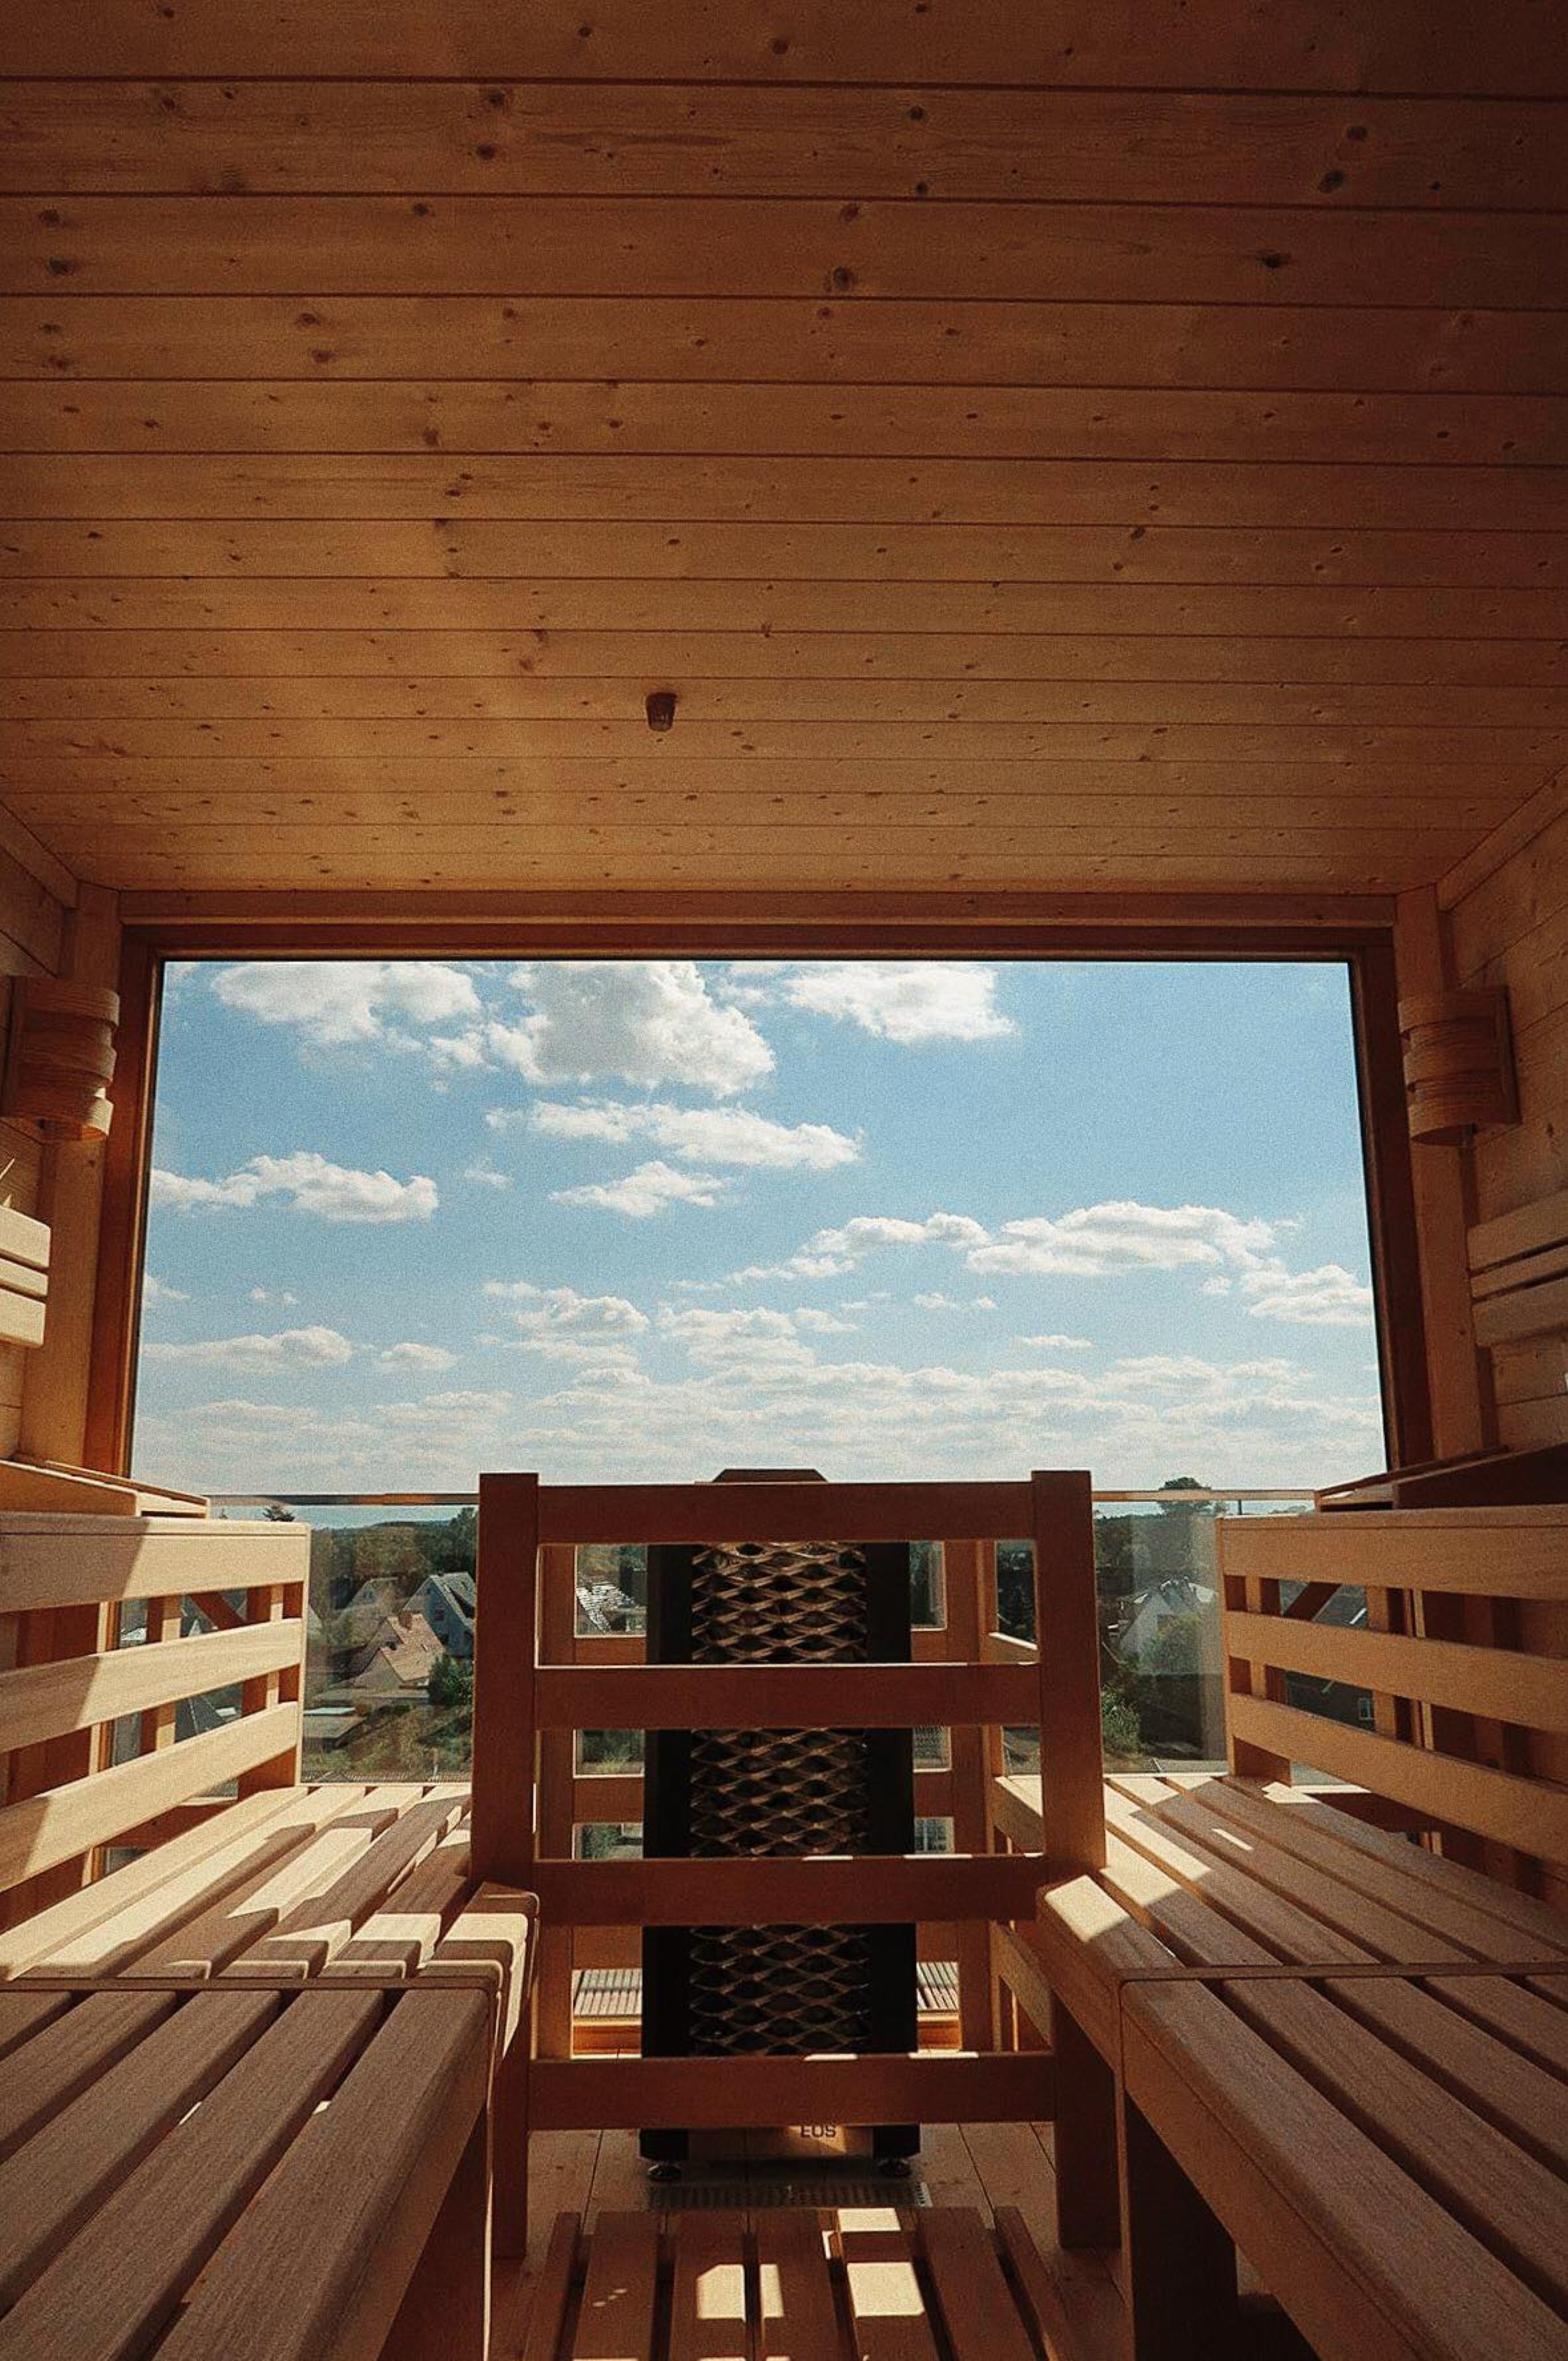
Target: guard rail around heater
(518,1698)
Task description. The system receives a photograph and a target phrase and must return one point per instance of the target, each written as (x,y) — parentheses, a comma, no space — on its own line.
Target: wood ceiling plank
(270,603)
(645,247)
(725,807)
(885,732)
(796,491)
(969,421)
(1402,45)
(1476,786)
(1418,348)
(658,658)
(469,548)
(669,139)
(68,715)
(373,862)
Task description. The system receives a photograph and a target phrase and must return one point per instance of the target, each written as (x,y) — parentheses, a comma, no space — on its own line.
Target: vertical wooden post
(158,1721)
(273,1604)
(1067,1633)
(558,1748)
(1180,2263)
(506,1652)
(1242,1678)
(1089,2206)
(964,1566)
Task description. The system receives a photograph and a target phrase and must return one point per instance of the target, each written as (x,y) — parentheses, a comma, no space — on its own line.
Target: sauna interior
(711,480)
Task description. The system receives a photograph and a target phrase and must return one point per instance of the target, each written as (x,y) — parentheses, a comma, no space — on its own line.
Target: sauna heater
(718,1992)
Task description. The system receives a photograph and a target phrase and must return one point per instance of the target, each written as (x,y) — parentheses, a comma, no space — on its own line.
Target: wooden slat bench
(272,2175)
(1396,2173)
(796,2285)
(1279,2024)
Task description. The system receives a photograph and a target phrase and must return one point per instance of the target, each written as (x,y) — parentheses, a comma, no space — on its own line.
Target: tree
(451,1684)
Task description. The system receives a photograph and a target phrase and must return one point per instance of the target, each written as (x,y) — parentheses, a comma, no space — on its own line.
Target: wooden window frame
(1354,931)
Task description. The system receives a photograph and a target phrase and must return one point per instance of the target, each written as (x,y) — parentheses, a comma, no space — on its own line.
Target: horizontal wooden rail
(1525,1812)
(781,1697)
(728,2093)
(871,1889)
(1494,1553)
(45,1829)
(76,1562)
(784,1513)
(1532,1691)
(44,1701)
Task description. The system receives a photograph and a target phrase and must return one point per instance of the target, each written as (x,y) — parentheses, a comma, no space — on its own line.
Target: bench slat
(60,2061)
(797,2317)
(1510,2201)
(401,1935)
(1505,2088)
(708,2300)
(110,2290)
(1285,1931)
(82,1934)
(316,1928)
(365,2178)
(1361,1918)
(1387,1870)
(324,1835)
(979,2314)
(620,2292)
(49,2187)
(1363,2261)
(44,1701)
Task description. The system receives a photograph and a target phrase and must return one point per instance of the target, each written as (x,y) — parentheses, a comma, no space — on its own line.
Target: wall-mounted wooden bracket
(60,1057)
(1459,1064)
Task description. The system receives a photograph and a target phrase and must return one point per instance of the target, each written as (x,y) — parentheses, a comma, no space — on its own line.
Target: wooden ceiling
(1105,444)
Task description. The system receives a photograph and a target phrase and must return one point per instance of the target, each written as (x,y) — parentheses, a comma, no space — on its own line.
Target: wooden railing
(1421,1685)
(531,1697)
(65,1584)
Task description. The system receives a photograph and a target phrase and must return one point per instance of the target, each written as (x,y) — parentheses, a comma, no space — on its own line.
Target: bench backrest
(119,1638)
(1427,1693)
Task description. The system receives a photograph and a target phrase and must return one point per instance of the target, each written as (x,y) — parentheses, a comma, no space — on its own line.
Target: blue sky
(626,1219)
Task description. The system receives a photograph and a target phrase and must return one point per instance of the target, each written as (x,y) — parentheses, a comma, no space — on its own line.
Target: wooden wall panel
(1508,925)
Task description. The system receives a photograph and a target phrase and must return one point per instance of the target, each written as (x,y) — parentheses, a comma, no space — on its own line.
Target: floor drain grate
(856,2192)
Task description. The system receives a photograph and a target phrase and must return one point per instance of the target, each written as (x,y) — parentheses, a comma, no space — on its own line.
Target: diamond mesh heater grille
(778,1990)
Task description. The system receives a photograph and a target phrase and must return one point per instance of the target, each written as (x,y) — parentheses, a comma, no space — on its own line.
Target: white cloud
(758,1338)
(559,1310)
(821,1323)
(937,1301)
(1098,1241)
(335,1001)
(647,1191)
(481,1175)
(832,1252)
(1329,1297)
(905,1001)
(412,1355)
(310,1184)
(301,1349)
(154,1290)
(273,1295)
(1059,1344)
(701,1134)
(644,1022)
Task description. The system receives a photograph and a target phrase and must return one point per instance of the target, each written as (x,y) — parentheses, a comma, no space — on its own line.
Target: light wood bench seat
(272,2175)
(1279,2027)
(333,1882)
(1396,2172)
(877,2285)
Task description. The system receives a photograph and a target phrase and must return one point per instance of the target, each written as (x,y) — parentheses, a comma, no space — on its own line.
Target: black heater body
(784,1991)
